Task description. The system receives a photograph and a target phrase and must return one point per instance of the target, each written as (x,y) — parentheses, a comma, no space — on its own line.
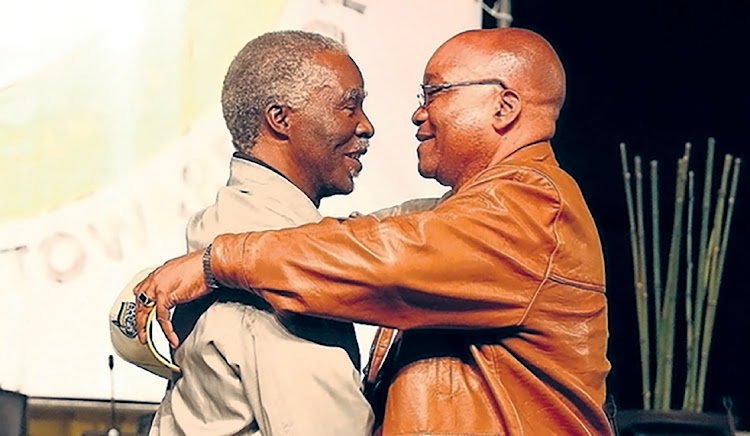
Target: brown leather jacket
(498,293)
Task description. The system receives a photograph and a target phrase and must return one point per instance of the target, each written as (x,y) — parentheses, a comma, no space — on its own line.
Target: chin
(427,174)
(342,189)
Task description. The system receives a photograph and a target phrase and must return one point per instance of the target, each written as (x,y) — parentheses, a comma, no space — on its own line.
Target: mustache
(363,144)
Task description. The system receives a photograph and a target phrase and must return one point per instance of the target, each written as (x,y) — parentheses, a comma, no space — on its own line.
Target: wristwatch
(208,276)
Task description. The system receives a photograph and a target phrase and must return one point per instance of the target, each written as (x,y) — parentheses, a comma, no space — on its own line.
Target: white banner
(62,269)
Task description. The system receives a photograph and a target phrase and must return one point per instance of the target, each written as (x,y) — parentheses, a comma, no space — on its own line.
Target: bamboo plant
(699,285)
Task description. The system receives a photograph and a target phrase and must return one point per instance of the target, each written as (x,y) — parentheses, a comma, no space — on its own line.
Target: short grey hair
(274,68)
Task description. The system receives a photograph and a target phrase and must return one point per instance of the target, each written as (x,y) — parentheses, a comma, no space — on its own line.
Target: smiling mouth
(355,156)
(357,153)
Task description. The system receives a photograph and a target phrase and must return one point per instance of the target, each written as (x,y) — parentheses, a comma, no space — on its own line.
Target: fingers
(144,299)
(177,281)
(148,297)
(162,316)
(141,318)
(141,309)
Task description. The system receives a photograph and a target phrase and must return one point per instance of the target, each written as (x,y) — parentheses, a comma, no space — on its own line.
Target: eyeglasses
(427,91)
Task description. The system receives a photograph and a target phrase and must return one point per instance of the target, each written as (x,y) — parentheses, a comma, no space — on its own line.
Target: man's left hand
(178,281)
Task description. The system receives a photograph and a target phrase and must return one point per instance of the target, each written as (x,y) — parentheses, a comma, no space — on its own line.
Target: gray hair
(274,68)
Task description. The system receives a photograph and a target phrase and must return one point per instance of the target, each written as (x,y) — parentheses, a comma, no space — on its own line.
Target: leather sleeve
(476,261)
(411,206)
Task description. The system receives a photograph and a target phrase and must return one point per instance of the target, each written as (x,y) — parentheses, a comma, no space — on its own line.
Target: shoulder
(513,186)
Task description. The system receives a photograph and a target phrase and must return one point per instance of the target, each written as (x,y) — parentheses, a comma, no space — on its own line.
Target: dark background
(656,74)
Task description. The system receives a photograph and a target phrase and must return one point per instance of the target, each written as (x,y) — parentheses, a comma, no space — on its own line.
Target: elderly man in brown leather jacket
(497,293)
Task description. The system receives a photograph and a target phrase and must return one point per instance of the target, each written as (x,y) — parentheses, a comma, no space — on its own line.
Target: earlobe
(508,109)
(277,119)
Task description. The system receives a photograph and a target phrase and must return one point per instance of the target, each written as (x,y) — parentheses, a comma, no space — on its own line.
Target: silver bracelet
(208,275)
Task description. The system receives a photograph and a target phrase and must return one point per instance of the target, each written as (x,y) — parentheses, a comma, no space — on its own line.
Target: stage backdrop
(111,136)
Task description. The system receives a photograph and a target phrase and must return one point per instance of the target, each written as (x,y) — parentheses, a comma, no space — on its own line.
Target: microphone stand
(113,430)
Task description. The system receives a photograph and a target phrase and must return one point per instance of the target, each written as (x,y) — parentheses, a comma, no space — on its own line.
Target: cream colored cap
(123,335)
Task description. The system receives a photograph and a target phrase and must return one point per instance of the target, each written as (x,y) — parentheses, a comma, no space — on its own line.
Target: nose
(419,116)
(365,128)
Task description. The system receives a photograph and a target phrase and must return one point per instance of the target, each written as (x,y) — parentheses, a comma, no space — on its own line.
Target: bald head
(487,93)
(523,60)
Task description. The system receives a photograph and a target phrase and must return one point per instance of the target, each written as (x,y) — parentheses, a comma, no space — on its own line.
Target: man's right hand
(178,281)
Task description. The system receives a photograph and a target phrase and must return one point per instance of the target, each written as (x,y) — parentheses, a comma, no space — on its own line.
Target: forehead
(339,70)
(457,60)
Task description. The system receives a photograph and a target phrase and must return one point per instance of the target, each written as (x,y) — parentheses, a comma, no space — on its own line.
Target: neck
(283,165)
(522,136)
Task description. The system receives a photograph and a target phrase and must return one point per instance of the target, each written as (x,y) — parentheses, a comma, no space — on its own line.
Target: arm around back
(475,261)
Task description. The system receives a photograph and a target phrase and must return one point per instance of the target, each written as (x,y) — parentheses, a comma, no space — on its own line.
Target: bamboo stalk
(640,232)
(707,181)
(689,341)
(702,279)
(717,269)
(640,310)
(666,335)
(655,244)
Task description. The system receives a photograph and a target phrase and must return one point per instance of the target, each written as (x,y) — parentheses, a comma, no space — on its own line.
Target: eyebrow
(353,94)
(430,77)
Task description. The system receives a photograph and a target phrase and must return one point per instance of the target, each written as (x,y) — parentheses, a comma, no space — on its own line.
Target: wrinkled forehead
(336,78)
(338,66)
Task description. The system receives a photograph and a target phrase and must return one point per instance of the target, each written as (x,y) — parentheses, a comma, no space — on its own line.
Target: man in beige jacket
(293,104)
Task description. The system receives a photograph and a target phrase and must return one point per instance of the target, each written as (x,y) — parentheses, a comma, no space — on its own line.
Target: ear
(508,109)
(277,119)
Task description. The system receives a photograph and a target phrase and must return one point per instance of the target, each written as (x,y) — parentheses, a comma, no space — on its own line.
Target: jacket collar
(538,152)
(535,154)
(252,175)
